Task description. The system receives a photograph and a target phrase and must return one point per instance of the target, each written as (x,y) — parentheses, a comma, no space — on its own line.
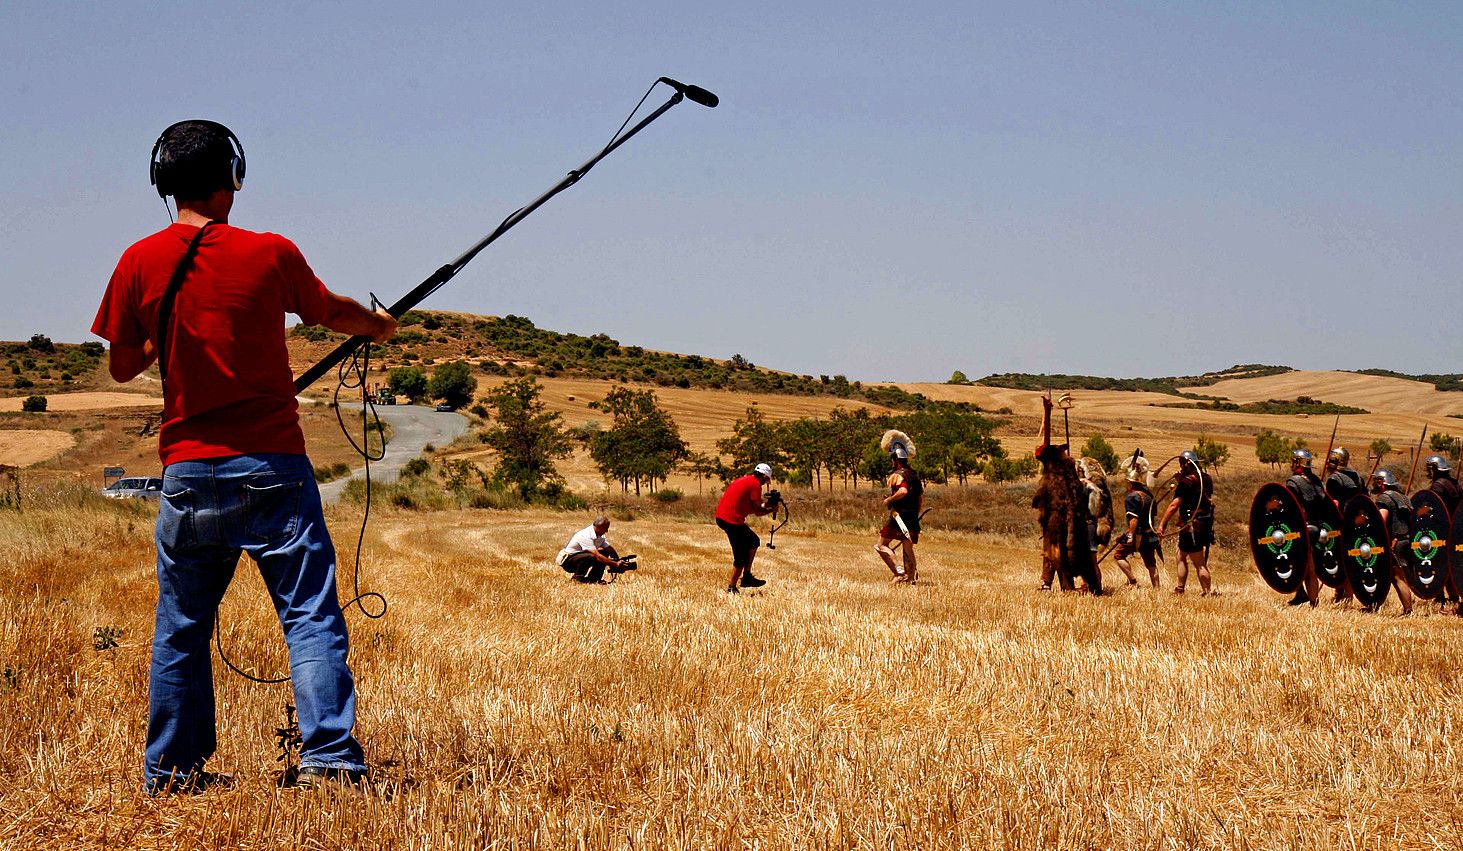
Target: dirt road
(413,428)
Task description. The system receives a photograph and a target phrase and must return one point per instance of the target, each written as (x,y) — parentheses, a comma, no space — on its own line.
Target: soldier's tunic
(1399,520)
(1195,493)
(1344,484)
(1446,487)
(1307,489)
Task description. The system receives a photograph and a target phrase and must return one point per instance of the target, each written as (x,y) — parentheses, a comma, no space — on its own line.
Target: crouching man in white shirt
(588,553)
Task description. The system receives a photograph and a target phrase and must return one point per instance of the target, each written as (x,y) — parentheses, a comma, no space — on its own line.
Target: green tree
(1271,448)
(1380,448)
(408,381)
(806,442)
(642,442)
(1441,442)
(953,442)
(958,377)
(999,470)
(453,383)
(753,441)
(34,404)
(1211,452)
(527,438)
(701,465)
(1098,449)
(875,464)
(853,432)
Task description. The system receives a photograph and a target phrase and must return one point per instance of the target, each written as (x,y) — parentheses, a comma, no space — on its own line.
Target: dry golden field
(504,706)
(1397,410)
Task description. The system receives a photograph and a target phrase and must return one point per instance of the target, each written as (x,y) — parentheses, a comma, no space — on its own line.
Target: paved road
(413,427)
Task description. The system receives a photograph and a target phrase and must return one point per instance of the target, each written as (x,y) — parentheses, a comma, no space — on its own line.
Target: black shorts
(1148,545)
(744,542)
(1199,535)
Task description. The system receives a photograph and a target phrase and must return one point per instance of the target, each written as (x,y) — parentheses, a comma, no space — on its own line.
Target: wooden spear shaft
(1415,456)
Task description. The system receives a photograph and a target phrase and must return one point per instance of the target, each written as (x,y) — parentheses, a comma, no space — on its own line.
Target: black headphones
(157,173)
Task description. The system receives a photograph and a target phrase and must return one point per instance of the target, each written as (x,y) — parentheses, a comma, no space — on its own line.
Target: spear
(1415,456)
(1332,444)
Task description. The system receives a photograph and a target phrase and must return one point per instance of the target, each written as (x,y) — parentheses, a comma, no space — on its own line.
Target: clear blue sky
(887,191)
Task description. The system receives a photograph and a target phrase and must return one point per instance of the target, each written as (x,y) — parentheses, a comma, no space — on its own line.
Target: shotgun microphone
(694,94)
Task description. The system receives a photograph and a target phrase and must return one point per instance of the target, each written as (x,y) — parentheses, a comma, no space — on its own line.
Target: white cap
(763,470)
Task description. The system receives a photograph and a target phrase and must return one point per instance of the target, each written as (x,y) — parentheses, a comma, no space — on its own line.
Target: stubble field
(503,706)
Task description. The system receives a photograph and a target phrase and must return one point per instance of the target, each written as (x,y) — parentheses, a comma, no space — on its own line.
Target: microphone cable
(350,375)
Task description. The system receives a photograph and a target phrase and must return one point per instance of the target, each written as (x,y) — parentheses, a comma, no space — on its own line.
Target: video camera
(627,562)
(774,498)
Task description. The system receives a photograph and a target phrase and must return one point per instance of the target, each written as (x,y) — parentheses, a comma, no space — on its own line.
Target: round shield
(1367,558)
(1455,550)
(1427,554)
(1278,538)
(1326,545)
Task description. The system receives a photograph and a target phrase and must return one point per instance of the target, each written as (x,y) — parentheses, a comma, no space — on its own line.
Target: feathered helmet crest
(1136,469)
(897,443)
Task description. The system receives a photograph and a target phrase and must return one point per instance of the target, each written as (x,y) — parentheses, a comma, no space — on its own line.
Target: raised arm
(348,316)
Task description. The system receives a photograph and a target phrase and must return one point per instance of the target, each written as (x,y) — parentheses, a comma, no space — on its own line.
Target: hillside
(513,345)
(94,421)
(1170,385)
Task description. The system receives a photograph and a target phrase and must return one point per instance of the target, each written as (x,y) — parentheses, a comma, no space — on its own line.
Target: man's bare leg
(1127,570)
(1181,569)
(887,555)
(1201,569)
(1403,588)
(911,572)
(1150,562)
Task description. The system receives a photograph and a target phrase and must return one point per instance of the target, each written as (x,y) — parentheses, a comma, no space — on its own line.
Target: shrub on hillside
(34,404)
(1098,449)
(1211,452)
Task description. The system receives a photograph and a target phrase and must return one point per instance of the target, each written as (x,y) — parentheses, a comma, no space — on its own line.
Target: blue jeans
(210,511)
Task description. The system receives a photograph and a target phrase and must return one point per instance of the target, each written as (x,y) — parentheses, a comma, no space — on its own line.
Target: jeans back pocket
(175,519)
(272,511)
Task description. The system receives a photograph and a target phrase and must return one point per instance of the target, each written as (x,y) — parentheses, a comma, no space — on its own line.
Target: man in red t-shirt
(212,298)
(741,499)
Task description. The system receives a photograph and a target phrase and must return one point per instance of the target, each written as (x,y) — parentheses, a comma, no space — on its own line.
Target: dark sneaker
(193,784)
(750,581)
(317,776)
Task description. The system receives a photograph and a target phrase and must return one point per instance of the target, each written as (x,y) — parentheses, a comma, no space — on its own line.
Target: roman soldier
(1442,483)
(1342,482)
(1396,511)
(1194,503)
(1309,491)
(1139,535)
(906,496)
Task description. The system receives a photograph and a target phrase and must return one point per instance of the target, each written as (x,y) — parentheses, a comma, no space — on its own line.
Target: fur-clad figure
(1099,499)
(1061,504)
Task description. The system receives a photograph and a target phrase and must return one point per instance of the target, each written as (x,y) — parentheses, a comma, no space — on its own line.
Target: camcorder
(774,498)
(627,562)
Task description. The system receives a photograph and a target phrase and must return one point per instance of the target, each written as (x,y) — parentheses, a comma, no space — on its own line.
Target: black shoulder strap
(165,307)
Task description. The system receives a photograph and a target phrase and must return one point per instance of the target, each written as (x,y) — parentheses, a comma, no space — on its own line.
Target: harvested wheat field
(88,401)
(502,705)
